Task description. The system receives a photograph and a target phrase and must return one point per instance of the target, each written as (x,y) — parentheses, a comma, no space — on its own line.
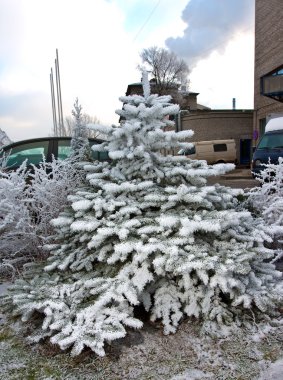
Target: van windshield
(190,151)
(271,141)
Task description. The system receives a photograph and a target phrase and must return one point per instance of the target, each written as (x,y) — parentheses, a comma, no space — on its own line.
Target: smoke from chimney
(211,25)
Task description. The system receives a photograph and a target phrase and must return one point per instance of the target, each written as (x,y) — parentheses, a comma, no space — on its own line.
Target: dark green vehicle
(33,150)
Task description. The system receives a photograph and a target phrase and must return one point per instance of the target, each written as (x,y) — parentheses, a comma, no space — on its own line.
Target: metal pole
(53,104)
(58,100)
(59,92)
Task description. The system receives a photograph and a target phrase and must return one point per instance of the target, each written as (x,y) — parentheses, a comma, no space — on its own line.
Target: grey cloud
(211,24)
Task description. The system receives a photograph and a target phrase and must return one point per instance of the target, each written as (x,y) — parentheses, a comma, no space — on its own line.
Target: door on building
(245,151)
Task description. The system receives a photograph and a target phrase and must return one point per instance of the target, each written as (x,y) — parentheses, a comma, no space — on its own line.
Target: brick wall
(268,53)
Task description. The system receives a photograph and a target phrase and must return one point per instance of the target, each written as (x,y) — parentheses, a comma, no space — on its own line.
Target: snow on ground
(3,289)
(193,374)
(149,355)
(274,372)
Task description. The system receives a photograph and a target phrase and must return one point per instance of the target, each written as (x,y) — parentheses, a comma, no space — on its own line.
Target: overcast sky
(99,42)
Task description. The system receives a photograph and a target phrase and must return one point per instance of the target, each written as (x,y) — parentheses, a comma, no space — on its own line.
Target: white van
(214,152)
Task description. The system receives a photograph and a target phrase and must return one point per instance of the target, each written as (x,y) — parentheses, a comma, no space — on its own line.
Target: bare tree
(168,70)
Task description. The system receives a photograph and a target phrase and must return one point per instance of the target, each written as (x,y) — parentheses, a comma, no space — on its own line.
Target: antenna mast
(55,126)
(58,127)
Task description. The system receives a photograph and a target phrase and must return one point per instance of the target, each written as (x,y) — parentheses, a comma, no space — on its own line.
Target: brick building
(268,74)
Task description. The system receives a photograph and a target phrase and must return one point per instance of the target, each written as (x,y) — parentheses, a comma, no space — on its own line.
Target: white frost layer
(193,374)
(274,372)
(274,124)
(4,287)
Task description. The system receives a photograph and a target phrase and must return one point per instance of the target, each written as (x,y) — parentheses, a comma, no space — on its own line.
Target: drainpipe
(179,120)
(179,128)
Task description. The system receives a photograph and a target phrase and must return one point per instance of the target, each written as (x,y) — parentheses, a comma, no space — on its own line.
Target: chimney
(234,103)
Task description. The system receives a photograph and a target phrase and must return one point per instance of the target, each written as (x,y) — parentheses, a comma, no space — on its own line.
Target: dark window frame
(266,82)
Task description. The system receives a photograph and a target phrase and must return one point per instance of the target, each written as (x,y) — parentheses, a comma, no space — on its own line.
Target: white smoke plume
(211,25)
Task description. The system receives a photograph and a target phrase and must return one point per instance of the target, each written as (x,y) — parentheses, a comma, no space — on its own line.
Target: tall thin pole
(58,100)
(55,128)
(59,96)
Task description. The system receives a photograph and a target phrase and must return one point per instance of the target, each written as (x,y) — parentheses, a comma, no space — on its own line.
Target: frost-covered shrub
(29,199)
(49,186)
(16,233)
(4,139)
(267,200)
(3,160)
(148,231)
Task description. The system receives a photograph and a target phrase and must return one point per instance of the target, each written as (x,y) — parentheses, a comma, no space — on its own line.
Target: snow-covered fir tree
(79,143)
(148,231)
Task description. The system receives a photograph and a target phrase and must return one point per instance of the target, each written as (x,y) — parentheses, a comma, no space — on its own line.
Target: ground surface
(148,354)
(238,179)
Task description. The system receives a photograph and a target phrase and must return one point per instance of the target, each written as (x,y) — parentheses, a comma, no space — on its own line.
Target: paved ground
(237,179)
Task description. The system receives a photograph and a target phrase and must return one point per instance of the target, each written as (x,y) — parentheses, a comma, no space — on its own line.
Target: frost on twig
(29,199)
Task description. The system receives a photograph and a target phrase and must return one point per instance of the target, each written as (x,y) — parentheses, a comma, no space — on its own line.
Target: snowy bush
(29,199)
(49,186)
(3,160)
(148,231)
(4,139)
(267,200)
(15,220)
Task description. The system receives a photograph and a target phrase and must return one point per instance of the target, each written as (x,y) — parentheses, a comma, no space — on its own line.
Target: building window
(271,84)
